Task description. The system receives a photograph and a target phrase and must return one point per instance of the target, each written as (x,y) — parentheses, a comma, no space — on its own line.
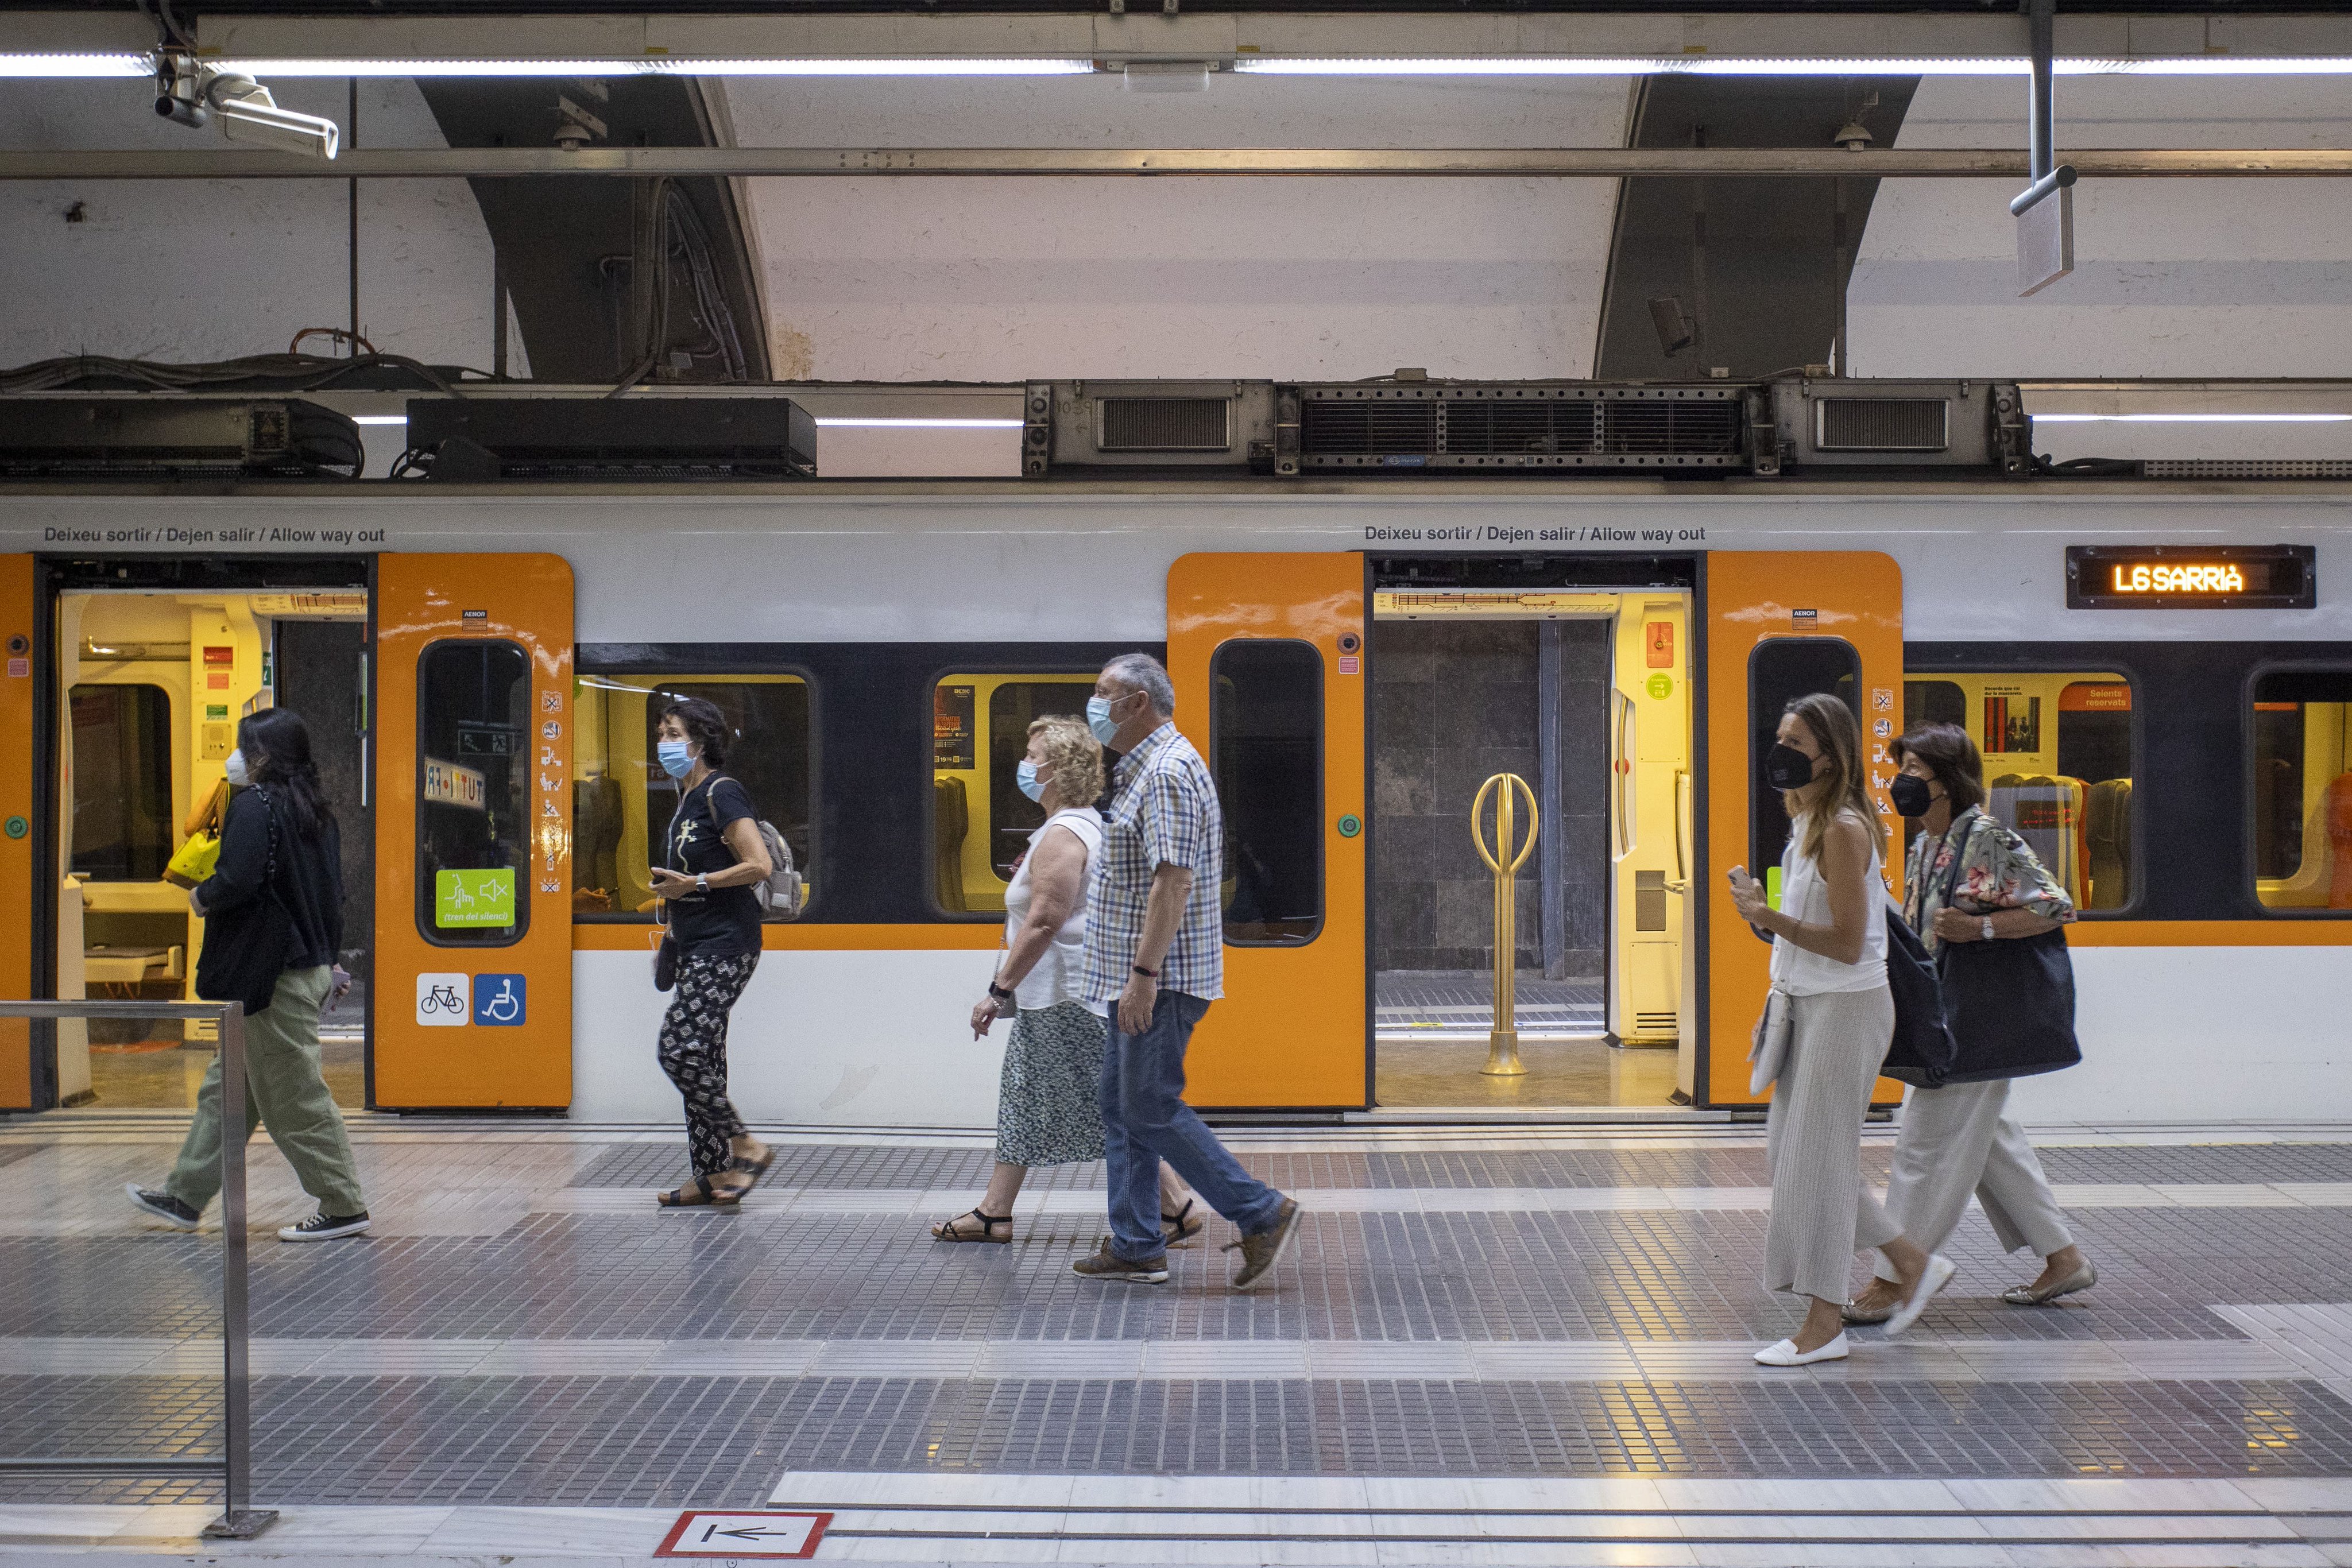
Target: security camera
(191,94)
(249,113)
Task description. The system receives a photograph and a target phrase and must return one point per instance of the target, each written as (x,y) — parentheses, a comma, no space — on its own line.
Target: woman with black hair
(273,912)
(711,856)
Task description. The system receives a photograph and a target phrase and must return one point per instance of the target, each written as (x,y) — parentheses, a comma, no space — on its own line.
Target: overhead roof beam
(1559,163)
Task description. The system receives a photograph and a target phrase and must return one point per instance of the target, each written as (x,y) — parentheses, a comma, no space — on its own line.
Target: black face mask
(1910,793)
(1786,768)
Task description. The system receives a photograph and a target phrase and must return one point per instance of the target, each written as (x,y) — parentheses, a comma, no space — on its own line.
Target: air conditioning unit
(478,440)
(1154,425)
(1834,423)
(1523,425)
(140,435)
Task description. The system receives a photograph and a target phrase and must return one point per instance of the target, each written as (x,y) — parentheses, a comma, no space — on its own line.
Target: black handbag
(1924,1051)
(2010,1003)
(245,949)
(666,962)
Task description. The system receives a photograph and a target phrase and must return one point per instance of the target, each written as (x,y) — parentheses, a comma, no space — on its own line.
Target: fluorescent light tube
(852,422)
(26,67)
(1700,65)
(658,65)
(379,419)
(2191,418)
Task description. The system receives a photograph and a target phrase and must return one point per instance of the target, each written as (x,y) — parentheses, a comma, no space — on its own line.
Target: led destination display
(2189,577)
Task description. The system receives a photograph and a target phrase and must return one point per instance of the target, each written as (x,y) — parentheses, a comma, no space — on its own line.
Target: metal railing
(239,1519)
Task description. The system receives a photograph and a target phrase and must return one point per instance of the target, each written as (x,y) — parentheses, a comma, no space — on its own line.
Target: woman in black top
(273,910)
(711,856)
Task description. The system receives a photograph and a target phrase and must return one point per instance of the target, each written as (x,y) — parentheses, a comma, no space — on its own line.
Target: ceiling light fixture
(852,422)
(1674,65)
(78,67)
(379,419)
(2192,418)
(661,65)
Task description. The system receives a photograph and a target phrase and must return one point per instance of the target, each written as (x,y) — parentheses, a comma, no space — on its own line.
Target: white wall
(2189,277)
(214,270)
(1007,279)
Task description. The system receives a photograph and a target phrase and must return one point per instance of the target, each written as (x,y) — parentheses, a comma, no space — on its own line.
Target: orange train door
(1268,656)
(473,866)
(18,896)
(1780,625)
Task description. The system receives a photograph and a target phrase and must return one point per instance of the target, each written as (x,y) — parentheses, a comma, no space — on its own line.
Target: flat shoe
(1939,1273)
(2082,1279)
(1860,1316)
(1786,1354)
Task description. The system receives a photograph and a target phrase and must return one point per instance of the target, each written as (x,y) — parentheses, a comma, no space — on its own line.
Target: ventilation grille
(1885,424)
(1163,425)
(1656,1023)
(2248,468)
(1519,428)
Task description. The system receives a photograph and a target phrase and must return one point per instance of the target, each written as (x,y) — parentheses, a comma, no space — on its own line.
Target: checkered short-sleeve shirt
(1163,810)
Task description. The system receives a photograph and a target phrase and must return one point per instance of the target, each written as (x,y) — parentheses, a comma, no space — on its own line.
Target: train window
(2302,789)
(473,792)
(1265,747)
(1780,671)
(2057,749)
(622,801)
(122,820)
(981,821)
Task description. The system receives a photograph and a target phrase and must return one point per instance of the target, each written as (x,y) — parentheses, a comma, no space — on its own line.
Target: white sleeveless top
(1057,977)
(1806,897)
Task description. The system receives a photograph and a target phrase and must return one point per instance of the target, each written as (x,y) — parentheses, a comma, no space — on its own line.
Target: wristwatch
(1988,927)
(702,882)
(998,993)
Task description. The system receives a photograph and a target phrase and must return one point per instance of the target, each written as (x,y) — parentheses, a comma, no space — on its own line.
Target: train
(2159,672)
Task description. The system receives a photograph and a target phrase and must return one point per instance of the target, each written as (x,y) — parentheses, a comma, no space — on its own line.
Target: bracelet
(999,992)
(1147,974)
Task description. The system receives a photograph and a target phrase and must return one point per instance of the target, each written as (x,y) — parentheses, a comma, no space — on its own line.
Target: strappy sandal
(755,1169)
(700,1193)
(946,1229)
(1183,1225)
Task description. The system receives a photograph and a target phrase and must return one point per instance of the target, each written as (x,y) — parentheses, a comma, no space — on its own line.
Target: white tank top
(1805,895)
(1057,977)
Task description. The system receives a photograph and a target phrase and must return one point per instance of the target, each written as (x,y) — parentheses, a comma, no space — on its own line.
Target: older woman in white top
(1829,977)
(1046,1104)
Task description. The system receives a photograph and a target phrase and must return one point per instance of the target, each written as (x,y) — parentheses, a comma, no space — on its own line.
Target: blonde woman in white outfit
(1829,975)
(1046,1110)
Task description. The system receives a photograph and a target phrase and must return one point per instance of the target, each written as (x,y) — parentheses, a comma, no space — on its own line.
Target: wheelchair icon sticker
(442,1001)
(498,1000)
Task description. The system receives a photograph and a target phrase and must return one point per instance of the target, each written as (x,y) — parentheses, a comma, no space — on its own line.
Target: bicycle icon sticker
(444,1001)
(498,1000)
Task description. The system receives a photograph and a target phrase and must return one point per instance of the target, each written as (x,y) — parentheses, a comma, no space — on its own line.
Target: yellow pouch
(194,861)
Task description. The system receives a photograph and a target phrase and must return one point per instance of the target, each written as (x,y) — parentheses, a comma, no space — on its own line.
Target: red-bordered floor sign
(697,1533)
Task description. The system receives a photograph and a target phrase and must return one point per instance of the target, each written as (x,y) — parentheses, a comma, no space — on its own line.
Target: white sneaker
(1941,1269)
(1786,1352)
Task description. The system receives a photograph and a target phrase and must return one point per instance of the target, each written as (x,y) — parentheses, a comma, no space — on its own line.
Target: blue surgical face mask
(236,769)
(675,759)
(1099,719)
(1027,776)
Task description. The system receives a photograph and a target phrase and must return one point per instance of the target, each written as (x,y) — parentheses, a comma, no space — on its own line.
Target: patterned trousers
(693,1051)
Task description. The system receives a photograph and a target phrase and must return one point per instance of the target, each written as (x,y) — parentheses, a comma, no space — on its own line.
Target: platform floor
(1529,1347)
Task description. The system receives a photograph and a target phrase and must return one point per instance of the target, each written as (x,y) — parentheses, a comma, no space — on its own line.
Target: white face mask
(236,769)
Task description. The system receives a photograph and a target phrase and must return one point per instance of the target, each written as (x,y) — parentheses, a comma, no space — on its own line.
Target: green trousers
(286,1093)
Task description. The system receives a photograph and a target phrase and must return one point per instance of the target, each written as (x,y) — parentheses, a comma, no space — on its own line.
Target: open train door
(18,896)
(473,878)
(1780,626)
(1268,656)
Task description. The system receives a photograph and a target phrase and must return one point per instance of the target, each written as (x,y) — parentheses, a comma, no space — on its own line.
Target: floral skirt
(1046,1111)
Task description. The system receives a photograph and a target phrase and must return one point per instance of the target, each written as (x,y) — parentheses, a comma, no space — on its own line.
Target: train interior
(1584,695)
(2303,789)
(152,686)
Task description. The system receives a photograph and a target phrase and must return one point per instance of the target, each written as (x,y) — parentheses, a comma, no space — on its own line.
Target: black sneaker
(1262,1249)
(161,1206)
(1106,1264)
(324,1227)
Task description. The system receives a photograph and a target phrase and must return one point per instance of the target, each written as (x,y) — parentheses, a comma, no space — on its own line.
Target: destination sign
(2190,577)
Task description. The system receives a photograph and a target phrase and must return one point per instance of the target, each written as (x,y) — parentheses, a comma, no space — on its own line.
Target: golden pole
(1502,1044)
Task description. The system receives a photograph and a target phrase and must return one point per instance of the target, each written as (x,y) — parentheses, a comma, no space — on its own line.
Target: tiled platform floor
(1521,1347)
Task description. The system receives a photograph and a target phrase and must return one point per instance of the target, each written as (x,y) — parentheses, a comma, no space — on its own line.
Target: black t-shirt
(726,921)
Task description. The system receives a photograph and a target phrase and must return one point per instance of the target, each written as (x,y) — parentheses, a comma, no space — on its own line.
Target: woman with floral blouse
(1959,1138)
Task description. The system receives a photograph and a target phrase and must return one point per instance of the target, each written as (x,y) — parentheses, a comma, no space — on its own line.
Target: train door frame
(55,573)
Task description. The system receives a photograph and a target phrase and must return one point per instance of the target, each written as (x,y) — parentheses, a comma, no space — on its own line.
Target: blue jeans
(1145,1121)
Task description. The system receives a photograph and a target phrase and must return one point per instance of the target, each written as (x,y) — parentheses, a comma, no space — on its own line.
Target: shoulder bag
(2010,1002)
(245,947)
(195,859)
(1923,1051)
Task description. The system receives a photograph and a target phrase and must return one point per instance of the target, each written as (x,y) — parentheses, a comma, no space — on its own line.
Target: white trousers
(1957,1140)
(1822,1211)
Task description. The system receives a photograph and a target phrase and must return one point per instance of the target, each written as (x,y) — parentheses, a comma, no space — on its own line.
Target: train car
(2159,675)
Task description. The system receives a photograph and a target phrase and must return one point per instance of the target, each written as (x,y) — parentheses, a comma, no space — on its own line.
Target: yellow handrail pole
(1503,1043)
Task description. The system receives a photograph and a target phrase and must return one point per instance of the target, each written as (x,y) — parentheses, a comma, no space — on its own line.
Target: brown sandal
(701,1195)
(945,1230)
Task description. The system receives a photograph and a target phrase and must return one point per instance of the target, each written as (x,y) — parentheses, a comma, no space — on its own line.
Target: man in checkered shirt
(1155,959)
